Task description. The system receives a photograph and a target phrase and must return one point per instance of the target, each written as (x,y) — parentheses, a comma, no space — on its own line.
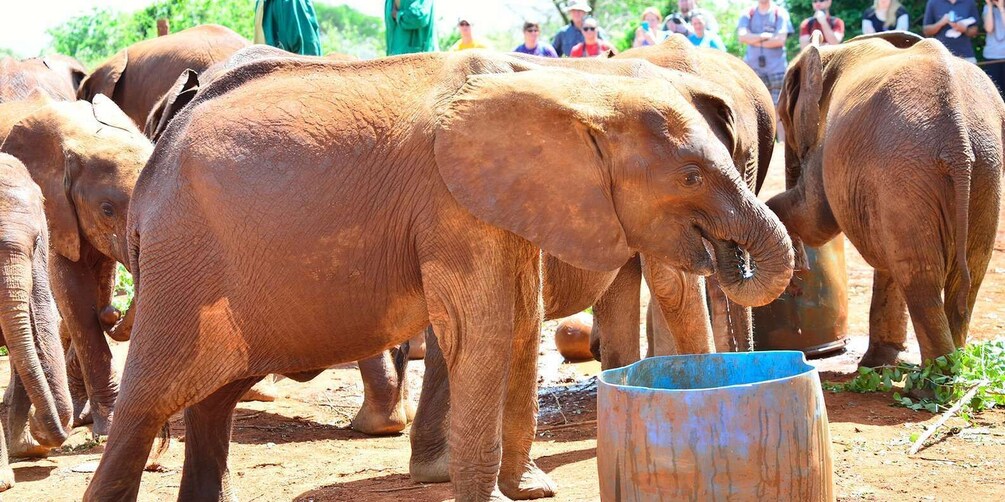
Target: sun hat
(578,5)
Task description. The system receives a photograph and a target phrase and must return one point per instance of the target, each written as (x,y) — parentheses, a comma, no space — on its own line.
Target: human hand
(766,35)
(945,19)
(960,27)
(820,16)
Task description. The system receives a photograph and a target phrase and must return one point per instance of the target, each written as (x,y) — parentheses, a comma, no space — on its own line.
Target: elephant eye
(107,209)
(691,179)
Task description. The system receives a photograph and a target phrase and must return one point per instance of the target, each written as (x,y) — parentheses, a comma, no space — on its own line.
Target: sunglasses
(463,23)
(532,30)
(589,28)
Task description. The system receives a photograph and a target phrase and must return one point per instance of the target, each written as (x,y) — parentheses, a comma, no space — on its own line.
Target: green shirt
(290,25)
(412,30)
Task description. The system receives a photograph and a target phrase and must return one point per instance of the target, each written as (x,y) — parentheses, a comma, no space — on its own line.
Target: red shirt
(596,49)
(810,24)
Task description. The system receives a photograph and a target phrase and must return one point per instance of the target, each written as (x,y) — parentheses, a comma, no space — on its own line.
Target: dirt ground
(299,447)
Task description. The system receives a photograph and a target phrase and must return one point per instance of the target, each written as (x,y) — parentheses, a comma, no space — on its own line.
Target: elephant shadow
(262,427)
(28,473)
(397,487)
(871,408)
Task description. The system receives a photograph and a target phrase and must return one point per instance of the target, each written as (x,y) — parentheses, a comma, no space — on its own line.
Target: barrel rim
(808,369)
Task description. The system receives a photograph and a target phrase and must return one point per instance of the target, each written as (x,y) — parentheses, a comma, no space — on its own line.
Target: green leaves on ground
(943,381)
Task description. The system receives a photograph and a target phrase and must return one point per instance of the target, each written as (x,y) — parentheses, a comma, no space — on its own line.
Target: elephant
(56,75)
(897,144)
(28,318)
(425,203)
(137,76)
(679,296)
(86,158)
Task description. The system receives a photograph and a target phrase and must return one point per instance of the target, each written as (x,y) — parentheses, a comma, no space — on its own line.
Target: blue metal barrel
(736,426)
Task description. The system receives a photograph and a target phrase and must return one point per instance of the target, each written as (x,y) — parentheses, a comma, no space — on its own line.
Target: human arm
(903,22)
(867,27)
(414,14)
(989,17)
(932,26)
(970,30)
(743,33)
(782,29)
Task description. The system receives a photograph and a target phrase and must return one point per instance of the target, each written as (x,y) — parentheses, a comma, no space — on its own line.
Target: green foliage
(348,31)
(944,380)
(8,52)
(123,289)
(95,36)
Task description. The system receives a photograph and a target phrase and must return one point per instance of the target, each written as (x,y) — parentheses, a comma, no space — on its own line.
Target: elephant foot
(409,410)
(27,447)
(532,483)
(433,471)
(882,354)
(374,422)
(497,496)
(82,413)
(6,478)
(417,347)
(264,391)
(102,422)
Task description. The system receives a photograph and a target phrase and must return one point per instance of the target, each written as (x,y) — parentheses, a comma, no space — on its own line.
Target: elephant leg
(616,317)
(78,391)
(6,473)
(474,328)
(519,477)
(417,346)
(887,322)
(16,409)
(430,458)
(264,391)
(924,302)
(681,324)
(383,411)
(75,288)
(207,444)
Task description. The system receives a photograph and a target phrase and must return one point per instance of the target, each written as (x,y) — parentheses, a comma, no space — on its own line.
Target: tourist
(290,25)
(648,32)
(994,48)
(467,40)
(701,37)
(885,15)
(572,34)
(680,21)
(832,28)
(531,43)
(954,23)
(763,29)
(592,45)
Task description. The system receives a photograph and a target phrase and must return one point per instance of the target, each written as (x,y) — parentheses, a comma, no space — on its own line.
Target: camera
(676,19)
(761,61)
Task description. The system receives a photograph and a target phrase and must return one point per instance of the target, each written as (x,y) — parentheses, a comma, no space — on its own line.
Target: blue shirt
(995,48)
(774,21)
(934,11)
(542,49)
(709,40)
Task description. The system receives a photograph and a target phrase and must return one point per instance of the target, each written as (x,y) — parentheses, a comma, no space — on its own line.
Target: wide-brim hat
(578,5)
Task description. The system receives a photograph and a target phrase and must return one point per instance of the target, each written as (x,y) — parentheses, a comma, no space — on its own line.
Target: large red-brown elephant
(136,77)
(56,76)
(433,212)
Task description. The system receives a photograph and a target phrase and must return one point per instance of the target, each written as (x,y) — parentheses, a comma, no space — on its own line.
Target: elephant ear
(899,39)
(181,92)
(104,78)
(109,114)
(526,152)
(799,103)
(718,111)
(38,144)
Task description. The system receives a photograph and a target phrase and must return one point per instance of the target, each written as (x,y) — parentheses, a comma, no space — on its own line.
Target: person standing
(885,15)
(467,40)
(572,34)
(290,25)
(648,32)
(763,29)
(994,50)
(701,37)
(954,23)
(592,45)
(410,27)
(680,21)
(832,28)
(531,43)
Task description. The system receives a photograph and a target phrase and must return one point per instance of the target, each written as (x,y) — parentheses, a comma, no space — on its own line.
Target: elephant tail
(960,175)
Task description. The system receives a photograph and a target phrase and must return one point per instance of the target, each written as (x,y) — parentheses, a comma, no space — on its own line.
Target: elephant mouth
(728,257)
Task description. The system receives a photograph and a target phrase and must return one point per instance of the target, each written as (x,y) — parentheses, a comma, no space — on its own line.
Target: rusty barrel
(812,316)
(728,426)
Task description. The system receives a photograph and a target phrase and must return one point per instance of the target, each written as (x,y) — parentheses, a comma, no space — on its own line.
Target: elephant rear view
(139,75)
(898,144)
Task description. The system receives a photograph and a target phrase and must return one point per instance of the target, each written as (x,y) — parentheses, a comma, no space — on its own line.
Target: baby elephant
(898,144)
(28,315)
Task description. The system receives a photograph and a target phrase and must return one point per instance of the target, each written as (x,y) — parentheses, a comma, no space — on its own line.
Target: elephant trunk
(765,275)
(30,325)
